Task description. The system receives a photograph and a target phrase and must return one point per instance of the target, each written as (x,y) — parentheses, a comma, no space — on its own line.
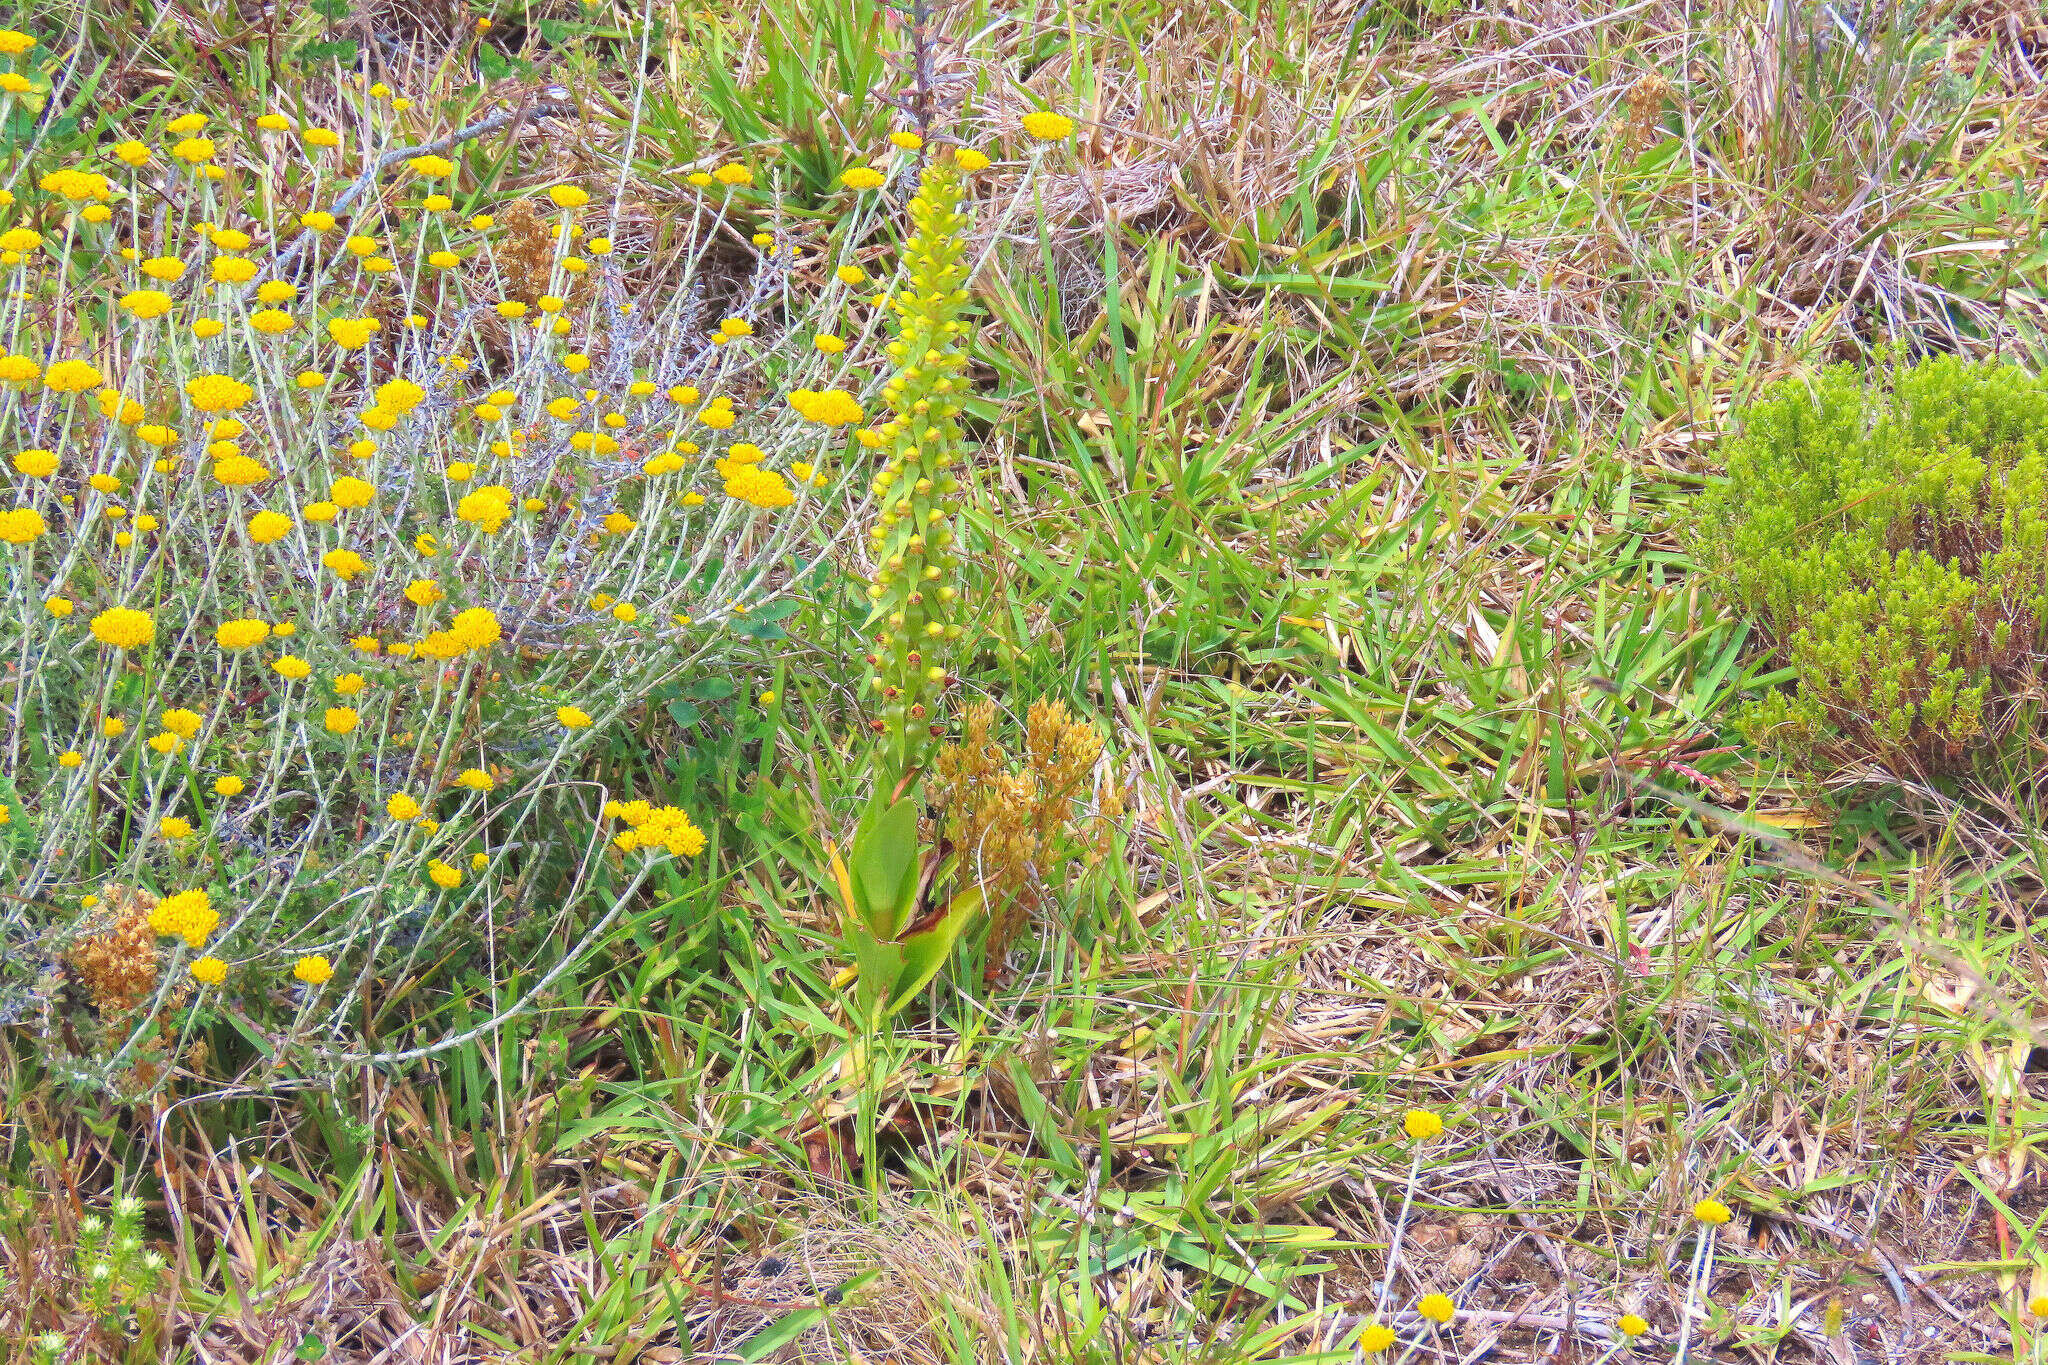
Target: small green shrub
(1890,534)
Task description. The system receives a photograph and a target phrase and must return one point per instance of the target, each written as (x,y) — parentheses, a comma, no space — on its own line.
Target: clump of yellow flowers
(308,499)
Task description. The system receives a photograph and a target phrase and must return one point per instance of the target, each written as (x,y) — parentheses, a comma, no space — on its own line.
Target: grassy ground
(1340,391)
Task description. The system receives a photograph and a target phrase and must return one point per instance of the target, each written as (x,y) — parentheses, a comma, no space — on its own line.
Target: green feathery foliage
(1891,536)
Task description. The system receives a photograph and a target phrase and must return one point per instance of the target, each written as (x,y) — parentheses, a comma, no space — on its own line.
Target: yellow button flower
(1046,126)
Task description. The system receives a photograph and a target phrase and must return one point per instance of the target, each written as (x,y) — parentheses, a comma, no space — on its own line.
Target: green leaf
(709,689)
(881,963)
(884,868)
(1043,1122)
(924,953)
(1231,1272)
(342,50)
(495,65)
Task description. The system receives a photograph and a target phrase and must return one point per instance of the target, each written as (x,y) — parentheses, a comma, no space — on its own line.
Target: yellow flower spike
(1712,1212)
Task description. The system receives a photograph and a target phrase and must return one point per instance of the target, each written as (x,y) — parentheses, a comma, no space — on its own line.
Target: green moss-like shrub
(1889,532)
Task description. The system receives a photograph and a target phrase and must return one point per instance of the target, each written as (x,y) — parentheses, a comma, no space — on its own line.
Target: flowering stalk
(911,620)
(899,943)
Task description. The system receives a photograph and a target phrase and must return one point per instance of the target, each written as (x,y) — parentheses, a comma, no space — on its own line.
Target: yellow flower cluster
(1047,126)
(21,525)
(188,915)
(471,631)
(241,634)
(375,496)
(654,828)
(489,507)
(217,392)
(832,408)
(124,628)
(758,487)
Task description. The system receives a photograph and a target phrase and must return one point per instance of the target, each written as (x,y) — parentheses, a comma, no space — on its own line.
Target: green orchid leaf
(884,860)
(926,951)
